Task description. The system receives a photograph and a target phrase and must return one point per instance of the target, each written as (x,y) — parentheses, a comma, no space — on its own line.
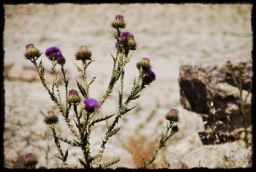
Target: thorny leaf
(82,89)
(57,156)
(65,156)
(110,163)
(92,80)
(41,68)
(113,132)
(101,119)
(78,68)
(82,162)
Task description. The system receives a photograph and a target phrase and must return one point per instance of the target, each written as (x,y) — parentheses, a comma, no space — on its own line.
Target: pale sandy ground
(170,35)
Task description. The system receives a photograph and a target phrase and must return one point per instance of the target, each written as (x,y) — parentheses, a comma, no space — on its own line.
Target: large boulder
(210,91)
(228,155)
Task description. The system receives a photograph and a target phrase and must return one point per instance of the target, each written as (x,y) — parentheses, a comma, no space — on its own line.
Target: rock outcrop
(27,73)
(211,92)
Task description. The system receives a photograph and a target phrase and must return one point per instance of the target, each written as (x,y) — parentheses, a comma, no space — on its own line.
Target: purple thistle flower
(91,104)
(52,53)
(124,36)
(127,39)
(148,76)
(238,102)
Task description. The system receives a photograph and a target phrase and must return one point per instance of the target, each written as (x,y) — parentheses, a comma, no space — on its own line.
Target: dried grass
(142,147)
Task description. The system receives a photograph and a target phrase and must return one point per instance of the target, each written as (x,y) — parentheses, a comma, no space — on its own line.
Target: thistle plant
(237,73)
(86,107)
(172,117)
(30,161)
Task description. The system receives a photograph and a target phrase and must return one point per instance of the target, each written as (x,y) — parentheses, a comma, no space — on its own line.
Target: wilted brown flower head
(83,53)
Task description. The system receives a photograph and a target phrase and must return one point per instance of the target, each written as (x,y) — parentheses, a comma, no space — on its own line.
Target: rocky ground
(170,35)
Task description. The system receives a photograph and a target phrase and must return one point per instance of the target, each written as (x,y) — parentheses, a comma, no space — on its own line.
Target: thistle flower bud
(83,53)
(144,63)
(240,65)
(175,128)
(60,60)
(30,160)
(119,22)
(51,118)
(148,77)
(229,64)
(73,97)
(32,52)
(172,115)
(91,104)
(131,43)
(52,53)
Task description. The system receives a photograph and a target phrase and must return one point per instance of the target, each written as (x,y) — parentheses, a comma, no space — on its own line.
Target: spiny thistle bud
(83,53)
(229,64)
(131,43)
(119,22)
(30,160)
(51,118)
(32,52)
(144,63)
(240,65)
(52,53)
(91,104)
(148,77)
(175,128)
(60,60)
(73,97)
(172,115)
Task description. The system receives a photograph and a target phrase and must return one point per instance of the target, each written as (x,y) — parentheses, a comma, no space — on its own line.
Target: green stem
(244,125)
(241,107)
(47,88)
(86,143)
(122,110)
(56,82)
(161,144)
(56,140)
(65,82)
(84,78)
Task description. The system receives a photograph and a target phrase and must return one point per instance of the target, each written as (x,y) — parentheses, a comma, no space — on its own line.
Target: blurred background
(168,34)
